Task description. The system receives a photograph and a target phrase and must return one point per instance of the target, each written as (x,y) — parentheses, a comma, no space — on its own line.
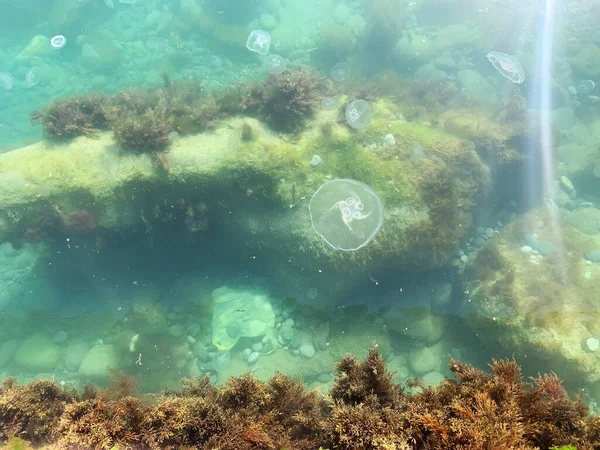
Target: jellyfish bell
(508,66)
(274,64)
(32,77)
(328,103)
(58,41)
(346,213)
(358,114)
(340,72)
(6,80)
(259,41)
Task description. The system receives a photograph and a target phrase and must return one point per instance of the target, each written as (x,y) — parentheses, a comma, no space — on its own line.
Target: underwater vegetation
(72,117)
(364,410)
(143,119)
(286,100)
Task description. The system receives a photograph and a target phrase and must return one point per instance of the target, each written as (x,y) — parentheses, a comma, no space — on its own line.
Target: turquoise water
(469,227)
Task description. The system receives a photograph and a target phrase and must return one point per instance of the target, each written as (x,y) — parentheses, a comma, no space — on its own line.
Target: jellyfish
(32,77)
(340,72)
(328,103)
(173,136)
(358,114)
(58,41)
(508,66)
(312,293)
(586,87)
(347,214)
(6,80)
(274,64)
(259,41)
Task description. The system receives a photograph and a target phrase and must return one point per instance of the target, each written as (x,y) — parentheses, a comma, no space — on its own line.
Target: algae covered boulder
(531,290)
(38,353)
(255,192)
(240,313)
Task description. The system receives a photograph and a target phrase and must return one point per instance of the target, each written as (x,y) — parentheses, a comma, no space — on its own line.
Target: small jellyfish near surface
(315,161)
(32,77)
(586,87)
(312,293)
(274,64)
(340,72)
(259,41)
(328,103)
(508,66)
(58,41)
(358,114)
(173,135)
(347,214)
(6,80)
(597,169)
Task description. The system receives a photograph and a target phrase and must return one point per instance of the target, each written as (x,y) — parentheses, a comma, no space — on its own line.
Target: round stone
(246,354)
(307,351)
(257,347)
(253,357)
(60,337)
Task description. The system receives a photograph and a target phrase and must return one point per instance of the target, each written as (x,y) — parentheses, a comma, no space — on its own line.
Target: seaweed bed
(364,410)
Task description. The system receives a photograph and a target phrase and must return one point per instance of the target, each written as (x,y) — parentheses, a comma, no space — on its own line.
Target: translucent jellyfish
(586,87)
(328,103)
(32,77)
(129,2)
(259,41)
(358,114)
(340,72)
(312,293)
(6,80)
(315,161)
(58,41)
(347,214)
(508,66)
(274,64)
(109,3)
(173,135)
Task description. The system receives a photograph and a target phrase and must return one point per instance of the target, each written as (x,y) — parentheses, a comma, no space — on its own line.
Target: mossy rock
(586,61)
(544,308)
(38,354)
(267,180)
(454,36)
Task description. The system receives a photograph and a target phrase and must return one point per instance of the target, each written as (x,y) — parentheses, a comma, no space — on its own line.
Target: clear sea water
(213,274)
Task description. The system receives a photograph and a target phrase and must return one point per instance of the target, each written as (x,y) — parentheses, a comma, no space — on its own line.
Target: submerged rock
(546,308)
